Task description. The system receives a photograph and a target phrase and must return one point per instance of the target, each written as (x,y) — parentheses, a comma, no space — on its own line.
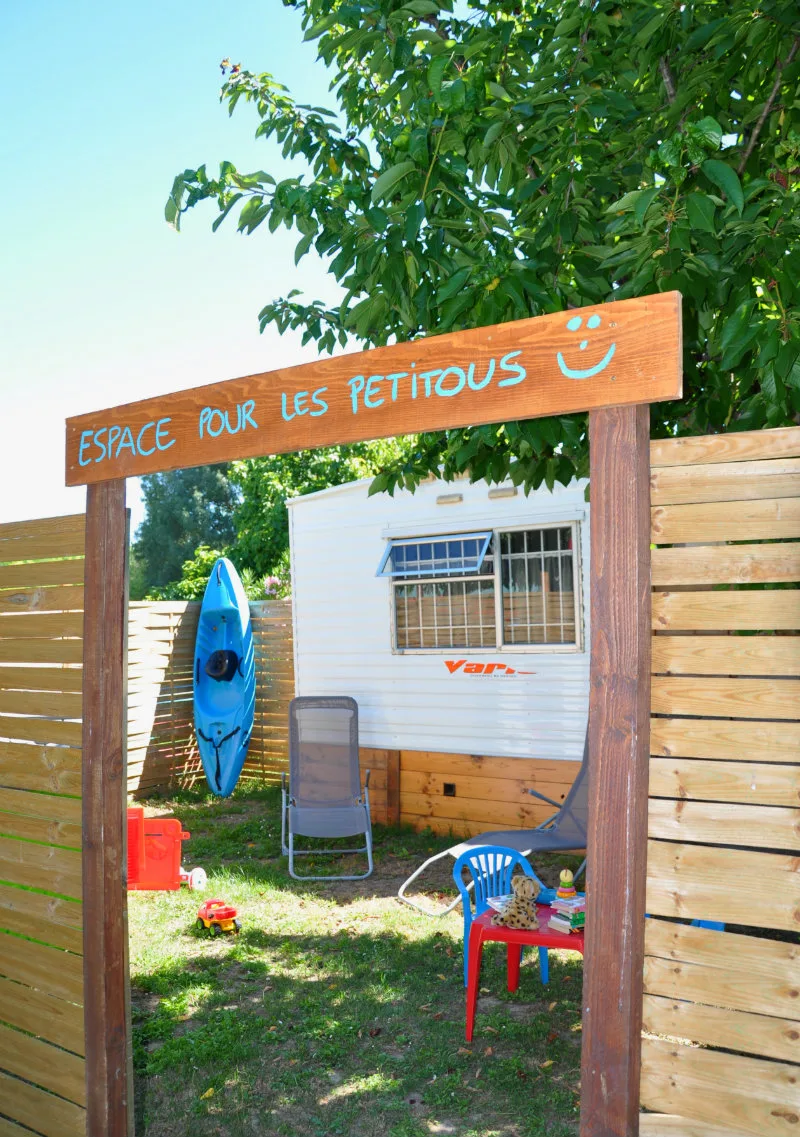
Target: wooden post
(619,745)
(392,787)
(105,948)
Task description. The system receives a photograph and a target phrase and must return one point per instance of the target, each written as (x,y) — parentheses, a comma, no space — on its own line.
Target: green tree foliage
(519,157)
(262,520)
(255,531)
(183,509)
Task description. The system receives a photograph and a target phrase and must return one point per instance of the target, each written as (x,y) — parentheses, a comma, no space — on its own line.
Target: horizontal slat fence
(721,1053)
(162,749)
(42,1068)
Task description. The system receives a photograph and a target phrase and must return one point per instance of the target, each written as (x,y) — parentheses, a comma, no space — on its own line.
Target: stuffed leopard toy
(520,911)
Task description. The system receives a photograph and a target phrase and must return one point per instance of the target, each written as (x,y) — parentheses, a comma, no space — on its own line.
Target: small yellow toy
(566,889)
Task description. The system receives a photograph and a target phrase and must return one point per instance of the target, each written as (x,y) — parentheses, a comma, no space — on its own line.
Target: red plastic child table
(483,931)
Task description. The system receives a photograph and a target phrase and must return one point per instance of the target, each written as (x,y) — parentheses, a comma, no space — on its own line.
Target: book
(567,908)
(498,903)
(558,924)
(572,922)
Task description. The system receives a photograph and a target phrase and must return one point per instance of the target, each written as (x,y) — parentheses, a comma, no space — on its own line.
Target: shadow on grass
(351,1032)
(243,832)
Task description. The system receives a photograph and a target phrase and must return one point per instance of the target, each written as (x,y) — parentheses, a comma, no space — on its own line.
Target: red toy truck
(217,916)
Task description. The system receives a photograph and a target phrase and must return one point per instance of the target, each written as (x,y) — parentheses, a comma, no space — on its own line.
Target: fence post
(619,747)
(105,928)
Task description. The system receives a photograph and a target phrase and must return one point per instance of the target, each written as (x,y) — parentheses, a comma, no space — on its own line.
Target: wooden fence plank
(775,610)
(45,1065)
(736,446)
(41,625)
(712,822)
(702,882)
(754,783)
(16,678)
(760,1098)
(45,918)
(43,537)
(671,1125)
(40,866)
(58,704)
(40,730)
(54,1020)
(41,574)
(47,969)
(727,564)
(11,1129)
(719,986)
(716,1026)
(51,807)
(753,956)
(52,769)
(44,1113)
(725,481)
(732,740)
(68,598)
(41,651)
(730,698)
(36,829)
(767,519)
(725,655)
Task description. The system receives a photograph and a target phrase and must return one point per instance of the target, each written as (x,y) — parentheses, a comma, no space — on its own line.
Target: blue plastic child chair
(491,868)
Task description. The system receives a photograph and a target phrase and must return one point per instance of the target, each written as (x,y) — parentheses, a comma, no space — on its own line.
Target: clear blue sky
(100,302)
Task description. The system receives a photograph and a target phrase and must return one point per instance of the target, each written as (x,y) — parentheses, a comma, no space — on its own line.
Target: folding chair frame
(287,845)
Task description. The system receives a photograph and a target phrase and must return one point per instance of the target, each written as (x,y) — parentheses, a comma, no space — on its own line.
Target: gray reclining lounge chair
(565,831)
(323,797)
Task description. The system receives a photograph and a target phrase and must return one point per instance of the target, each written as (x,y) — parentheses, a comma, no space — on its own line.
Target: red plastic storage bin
(154,851)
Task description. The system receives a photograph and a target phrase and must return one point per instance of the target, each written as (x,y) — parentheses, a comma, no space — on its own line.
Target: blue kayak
(224,678)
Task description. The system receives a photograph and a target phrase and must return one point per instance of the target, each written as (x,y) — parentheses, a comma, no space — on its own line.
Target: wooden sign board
(625,352)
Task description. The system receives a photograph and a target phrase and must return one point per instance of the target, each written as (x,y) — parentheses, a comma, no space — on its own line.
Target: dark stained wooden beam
(105,933)
(619,745)
(392,787)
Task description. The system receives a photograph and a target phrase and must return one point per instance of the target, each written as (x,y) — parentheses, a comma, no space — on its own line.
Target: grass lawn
(336,1010)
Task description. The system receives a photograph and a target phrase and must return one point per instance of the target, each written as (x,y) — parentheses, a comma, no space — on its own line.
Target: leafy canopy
(262,519)
(517,157)
(256,531)
(183,509)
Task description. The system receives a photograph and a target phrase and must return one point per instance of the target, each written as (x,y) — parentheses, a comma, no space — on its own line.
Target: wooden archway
(612,360)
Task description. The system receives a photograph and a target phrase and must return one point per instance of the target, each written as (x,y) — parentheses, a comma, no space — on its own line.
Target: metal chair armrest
(549,800)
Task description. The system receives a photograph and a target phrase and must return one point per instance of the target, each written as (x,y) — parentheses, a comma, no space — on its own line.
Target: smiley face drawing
(573,325)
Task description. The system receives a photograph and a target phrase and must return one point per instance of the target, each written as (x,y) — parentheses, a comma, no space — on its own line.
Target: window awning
(457,554)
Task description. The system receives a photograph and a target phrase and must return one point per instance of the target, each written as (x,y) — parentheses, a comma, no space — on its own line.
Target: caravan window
(510,588)
(447,556)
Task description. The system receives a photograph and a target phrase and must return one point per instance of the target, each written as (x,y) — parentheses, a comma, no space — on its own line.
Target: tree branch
(762,118)
(667,76)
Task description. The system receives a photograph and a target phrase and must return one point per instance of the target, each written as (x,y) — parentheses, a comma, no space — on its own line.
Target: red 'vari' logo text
(498,670)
